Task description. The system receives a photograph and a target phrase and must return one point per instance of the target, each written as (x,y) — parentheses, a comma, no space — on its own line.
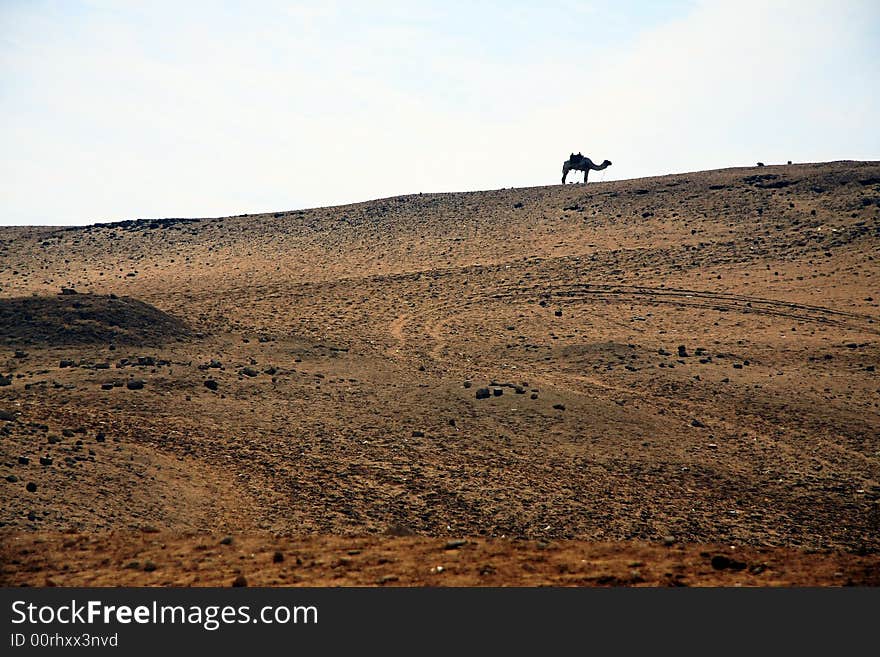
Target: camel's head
(606,163)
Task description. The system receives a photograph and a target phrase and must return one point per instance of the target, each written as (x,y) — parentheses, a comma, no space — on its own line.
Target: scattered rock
(467,384)
(250,371)
(454,545)
(696,423)
(45,460)
(397,529)
(722,562)
(6,416)
(278,557)
(239,581)
(226,540)
(497,391)
(23,460)
(210,384)
(418,434)
(149,567)
(682,351)
(31,487)
(559,407)
(483,393)
(65,291)
(135,384)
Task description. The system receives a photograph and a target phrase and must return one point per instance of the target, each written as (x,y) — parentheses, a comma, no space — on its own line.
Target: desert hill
(685,360)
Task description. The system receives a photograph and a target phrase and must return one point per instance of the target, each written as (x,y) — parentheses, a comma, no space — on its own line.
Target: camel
(580,163)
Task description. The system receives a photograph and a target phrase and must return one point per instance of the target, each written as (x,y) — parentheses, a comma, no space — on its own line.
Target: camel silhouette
(579,162)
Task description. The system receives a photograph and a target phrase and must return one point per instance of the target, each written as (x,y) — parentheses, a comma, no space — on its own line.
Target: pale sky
(114,110)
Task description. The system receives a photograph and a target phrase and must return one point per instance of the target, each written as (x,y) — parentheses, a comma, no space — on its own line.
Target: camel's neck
(598,167)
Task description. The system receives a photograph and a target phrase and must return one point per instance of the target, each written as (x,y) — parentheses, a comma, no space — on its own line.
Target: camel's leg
(565,169)
(586,175)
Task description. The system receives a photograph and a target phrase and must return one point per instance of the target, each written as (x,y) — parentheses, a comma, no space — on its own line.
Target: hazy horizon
(113,111)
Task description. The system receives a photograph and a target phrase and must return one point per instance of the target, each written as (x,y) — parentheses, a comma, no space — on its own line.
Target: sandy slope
(689,358)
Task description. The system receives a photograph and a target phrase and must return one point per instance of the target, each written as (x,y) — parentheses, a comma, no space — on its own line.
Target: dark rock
(497,391)
(682,351)
(239,581)
(696,423)
(53,439)
(454,545)
(5,380)
(250,371)
(67,363)
(467,384)
(100,437)
(148,361)
(483,393)
(519,390)
(31,487)
(67,291)
(278,557)
(721,562)
(210,384)
(11,479)
(418,434)
(149,567)
(558,313)
(6,416)
(559,407)
(21,354)
(68,433)
(107,386)
(226,540)
(534,395)
(23,460)
(135,384)
(45,460)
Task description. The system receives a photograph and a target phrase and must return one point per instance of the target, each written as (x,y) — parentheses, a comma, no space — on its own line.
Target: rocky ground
(658,371)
